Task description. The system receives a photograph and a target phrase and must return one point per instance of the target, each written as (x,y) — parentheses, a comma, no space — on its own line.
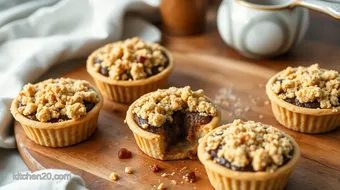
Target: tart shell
(221,177)
(128,91)
(60,134)
(305,120)
(153,145)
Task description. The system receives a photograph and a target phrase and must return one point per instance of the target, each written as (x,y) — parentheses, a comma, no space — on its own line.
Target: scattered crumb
(266,102)
(125,121)
(173,182)
(161,186)
(184,168)
(247,108)
(232,103)
(182,182)
(114,176)
(168,174)
(128,170)
(254,101)
(260,116)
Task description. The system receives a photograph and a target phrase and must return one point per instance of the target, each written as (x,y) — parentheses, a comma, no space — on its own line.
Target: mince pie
(58,112)
(167,123)
(250,154)
(125,70)
(306,99)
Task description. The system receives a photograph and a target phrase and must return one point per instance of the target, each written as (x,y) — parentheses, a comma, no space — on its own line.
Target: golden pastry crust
(241,143)
(52,98)
(158,107)
(309,84)
(131,59)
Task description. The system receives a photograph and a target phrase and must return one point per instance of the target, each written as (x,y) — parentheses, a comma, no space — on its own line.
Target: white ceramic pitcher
(258,33)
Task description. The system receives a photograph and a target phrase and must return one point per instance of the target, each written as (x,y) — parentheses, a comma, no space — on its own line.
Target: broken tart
(58,112)
(249,154)
(306,99)
(167,123)
(125,70)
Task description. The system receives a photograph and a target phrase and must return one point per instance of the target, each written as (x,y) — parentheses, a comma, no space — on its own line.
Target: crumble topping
(132,59)
(250,143)
(309,84)
(158,107)
(55,98)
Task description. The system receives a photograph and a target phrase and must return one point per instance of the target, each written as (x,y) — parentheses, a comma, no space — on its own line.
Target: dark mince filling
(248,168)
(296,102)
(89,106)
(105,71)
(314,105)
(182,127)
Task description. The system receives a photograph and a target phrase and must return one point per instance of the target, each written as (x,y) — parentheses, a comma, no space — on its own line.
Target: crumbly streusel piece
(55,97)
(132,59)
(128,170)
(242,143)
(158,107)
(114,176)
(309,84)
(161,186)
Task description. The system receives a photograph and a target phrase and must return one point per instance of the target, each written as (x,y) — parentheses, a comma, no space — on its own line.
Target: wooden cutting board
(243,83)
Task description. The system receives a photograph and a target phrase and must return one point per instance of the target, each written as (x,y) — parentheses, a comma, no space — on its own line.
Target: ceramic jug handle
(324,6)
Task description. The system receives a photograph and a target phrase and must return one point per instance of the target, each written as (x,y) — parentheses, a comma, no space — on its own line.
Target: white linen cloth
(37,34)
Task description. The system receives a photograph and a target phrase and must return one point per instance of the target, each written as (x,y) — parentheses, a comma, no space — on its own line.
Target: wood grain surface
(96,158)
